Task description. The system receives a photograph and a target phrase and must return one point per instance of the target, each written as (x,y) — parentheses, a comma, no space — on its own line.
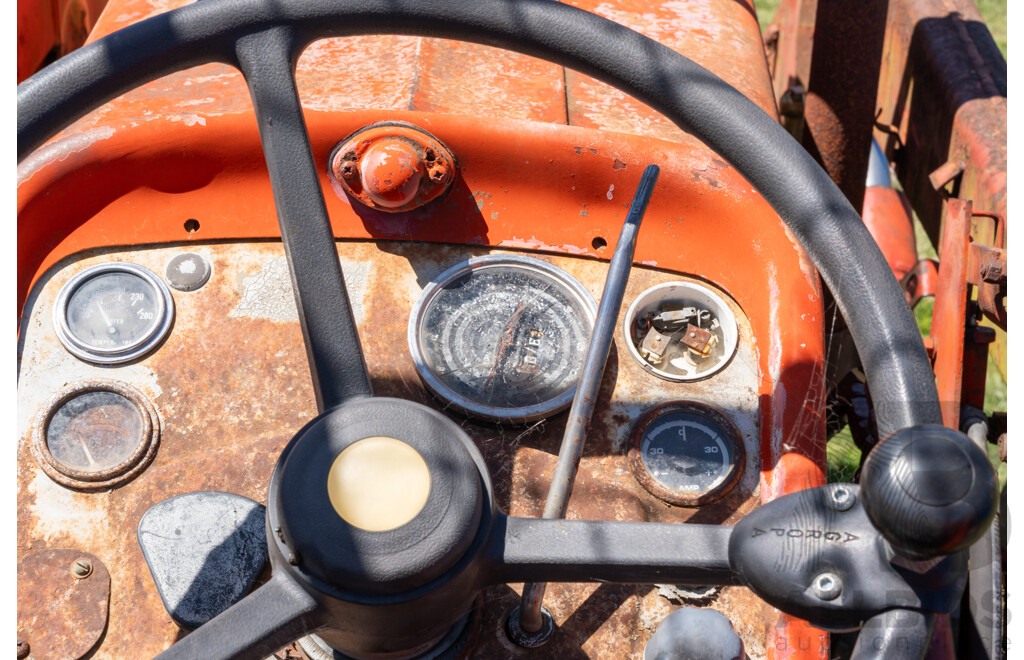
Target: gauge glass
(503,337)
(94,431)
(113,313)
(690,453)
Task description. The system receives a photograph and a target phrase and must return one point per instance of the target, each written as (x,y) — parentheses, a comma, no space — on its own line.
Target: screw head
(827,586)
(438,173)
(842,498)
(81,569)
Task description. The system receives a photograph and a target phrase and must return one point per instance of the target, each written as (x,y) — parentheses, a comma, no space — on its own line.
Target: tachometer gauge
(686,453)
(112,313)
(502,337)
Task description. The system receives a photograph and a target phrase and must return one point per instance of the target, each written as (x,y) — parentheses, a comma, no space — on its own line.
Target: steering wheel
(369,593)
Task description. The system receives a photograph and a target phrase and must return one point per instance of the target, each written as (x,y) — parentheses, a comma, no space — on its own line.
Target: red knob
(390,172)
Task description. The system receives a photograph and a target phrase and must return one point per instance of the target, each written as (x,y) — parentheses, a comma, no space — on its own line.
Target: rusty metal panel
(231,386)
(941,98)
(62,604)
(837,78)
(950,313)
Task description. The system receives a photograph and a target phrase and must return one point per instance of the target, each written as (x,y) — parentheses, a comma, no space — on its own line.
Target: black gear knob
(929,490)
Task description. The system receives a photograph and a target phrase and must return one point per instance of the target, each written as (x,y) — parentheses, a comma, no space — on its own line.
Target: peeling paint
(61,149)
(268,294)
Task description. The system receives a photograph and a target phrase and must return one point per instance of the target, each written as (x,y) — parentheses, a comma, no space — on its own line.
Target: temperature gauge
(113,313)
(686,453)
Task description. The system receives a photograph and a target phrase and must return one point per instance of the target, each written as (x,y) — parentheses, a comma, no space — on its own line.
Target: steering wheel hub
(378,496)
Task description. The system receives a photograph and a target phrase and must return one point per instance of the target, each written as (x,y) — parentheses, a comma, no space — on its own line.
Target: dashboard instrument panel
(229,386)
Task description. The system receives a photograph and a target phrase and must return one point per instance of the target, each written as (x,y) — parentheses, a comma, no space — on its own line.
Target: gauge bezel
(121,354)
(126,470)
(572,288)
(672,496)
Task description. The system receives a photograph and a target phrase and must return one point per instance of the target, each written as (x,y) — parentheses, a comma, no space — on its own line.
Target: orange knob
(390,172)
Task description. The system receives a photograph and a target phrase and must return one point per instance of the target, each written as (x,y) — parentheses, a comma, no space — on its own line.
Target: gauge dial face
(503,337)
(113,313)
(686,453)
(96,434)
(95,431)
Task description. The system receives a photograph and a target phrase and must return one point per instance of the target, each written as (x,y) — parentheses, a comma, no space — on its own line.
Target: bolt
(842,498)
(992,271)
(437,173)
(81,569)
(344,165)
(827,586)
(22,649)
(349,171)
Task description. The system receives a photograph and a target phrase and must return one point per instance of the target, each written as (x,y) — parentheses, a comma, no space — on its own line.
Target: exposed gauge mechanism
(96,434)
(686,453)
(680,331)
(502,337)
(112,313)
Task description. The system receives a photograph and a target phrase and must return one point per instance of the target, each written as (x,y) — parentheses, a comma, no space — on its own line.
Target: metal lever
(530,617)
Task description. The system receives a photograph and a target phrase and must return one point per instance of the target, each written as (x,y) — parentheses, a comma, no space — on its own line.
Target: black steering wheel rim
(264,38)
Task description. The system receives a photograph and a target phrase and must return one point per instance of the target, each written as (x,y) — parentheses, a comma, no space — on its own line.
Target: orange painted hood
(435,75)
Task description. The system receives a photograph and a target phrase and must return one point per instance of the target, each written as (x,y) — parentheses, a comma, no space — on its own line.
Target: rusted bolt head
(390,172)
(81,568)
(438,172)
(348,171)
(23,649)
(992,271)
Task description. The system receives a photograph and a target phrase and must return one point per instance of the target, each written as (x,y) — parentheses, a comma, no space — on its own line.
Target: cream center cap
(378,483)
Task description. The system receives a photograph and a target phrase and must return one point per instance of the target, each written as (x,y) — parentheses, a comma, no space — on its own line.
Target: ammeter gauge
(502,337)
(112,313)
(686,453)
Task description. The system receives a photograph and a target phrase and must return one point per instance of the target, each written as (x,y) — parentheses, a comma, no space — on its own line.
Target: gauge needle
(88,454)
(506,341)
(106,319)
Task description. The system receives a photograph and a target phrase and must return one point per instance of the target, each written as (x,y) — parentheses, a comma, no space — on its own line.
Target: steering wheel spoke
(556,550)
(336,363)
(269,618)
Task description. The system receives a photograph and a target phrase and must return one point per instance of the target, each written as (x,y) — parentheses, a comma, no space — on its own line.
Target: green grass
(842,455)
(994,13)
